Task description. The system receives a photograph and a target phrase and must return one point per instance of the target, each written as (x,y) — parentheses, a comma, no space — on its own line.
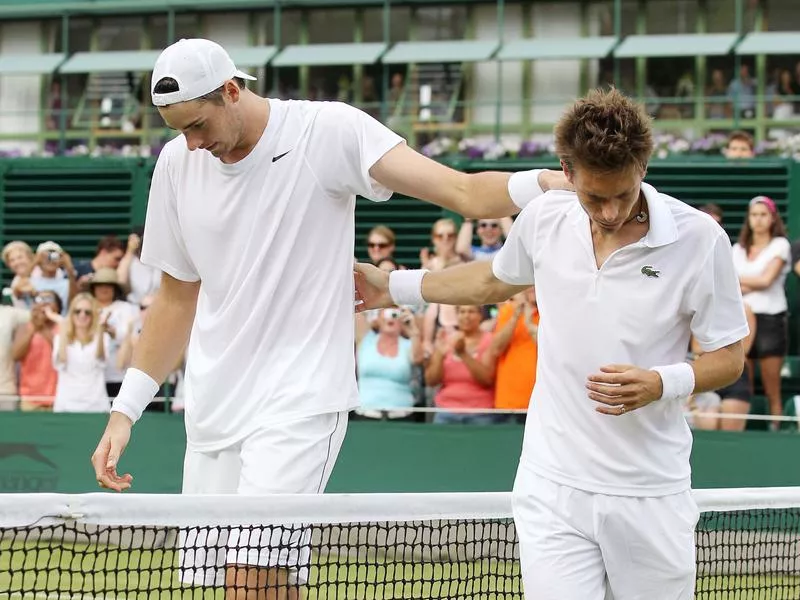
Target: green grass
(58,572)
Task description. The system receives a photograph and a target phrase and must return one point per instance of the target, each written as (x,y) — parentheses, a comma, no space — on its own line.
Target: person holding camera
(33,350)
(55,273)
(385,360)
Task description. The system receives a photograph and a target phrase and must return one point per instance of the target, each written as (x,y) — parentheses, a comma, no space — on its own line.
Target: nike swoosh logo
(280,156)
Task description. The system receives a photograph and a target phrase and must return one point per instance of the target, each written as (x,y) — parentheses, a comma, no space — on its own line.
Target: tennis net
(370,546)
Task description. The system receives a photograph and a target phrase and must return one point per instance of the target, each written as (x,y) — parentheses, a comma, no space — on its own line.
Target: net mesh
(372,546)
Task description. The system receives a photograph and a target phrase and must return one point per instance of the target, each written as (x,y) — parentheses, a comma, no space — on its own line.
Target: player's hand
(372,287)
(106,457)
(622,388)
(554,180)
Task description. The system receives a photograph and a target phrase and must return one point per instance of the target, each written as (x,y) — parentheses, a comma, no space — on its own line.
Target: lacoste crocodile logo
(648,270)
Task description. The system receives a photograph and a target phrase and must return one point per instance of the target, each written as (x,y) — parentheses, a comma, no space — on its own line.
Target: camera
(53,256)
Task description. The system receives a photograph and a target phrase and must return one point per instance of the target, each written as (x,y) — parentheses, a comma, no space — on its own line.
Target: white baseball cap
(199,66)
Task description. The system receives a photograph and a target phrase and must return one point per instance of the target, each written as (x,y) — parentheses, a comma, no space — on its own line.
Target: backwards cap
(199,66)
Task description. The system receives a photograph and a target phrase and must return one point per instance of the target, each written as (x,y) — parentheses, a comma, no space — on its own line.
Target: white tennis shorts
(575,545)
(290,458)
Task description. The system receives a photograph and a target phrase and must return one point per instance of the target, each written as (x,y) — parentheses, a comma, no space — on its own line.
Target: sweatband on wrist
(524,187)
(677,381)
(405,287)
(137,391)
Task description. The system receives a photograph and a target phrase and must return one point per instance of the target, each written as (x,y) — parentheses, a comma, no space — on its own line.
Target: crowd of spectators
(68,328)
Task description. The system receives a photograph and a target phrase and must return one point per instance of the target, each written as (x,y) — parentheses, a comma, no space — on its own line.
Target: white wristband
(136,392)
(677,381)
(405,287)
(524,187)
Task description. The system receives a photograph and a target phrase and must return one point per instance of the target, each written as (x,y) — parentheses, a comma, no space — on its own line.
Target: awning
(772,42)
(692,44)
(137,61)
(441,52)
(251,56)
(134,61)
(557,48)
(30,64)
(329,54)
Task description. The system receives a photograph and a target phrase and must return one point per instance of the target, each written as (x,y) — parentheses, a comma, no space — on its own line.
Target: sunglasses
(82,311)
(488,225)
(380,245)
(44,299)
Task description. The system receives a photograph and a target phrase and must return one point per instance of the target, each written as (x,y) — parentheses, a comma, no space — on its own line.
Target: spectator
(438,316)
(33,349)
(55,272)
(380,244)
(742,94)
(740,145)
(79,356)
(761,257)
(385,362)
(490,233)
(18,257)
(714,211)
(138,278)
(514,353)
(115,318)
(110,251)
(11,319)
(443,236)
(458,366)
(717,106)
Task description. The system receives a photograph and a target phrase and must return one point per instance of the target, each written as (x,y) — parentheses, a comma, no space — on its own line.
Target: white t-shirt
(272,239)
(122,313)
(772,300)
(81,382)
(639,308)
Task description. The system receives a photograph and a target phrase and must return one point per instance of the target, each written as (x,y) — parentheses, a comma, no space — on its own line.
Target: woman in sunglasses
(490,233)
(79,357)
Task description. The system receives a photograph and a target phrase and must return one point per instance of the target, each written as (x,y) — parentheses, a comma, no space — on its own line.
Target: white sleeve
(513,263)
(163,246)
(781,248)
(523,187)
(357,142)
(715,300)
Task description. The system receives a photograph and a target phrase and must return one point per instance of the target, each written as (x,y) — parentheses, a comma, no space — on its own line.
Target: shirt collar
(662,230)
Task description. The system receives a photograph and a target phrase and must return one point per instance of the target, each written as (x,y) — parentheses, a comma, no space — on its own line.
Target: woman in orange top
(514,352)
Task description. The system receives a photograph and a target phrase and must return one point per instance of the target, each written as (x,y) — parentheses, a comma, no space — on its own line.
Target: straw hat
(106,276)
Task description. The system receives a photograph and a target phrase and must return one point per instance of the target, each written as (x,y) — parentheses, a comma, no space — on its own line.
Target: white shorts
(576,545)
(290,458)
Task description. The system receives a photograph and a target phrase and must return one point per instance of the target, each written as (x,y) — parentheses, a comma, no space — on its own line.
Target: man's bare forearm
(470,284)
(715,370)
(165,332)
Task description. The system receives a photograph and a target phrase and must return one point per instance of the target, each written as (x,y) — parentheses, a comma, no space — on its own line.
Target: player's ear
(568,173)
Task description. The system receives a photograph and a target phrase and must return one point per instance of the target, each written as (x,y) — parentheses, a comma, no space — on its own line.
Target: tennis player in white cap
(251,220)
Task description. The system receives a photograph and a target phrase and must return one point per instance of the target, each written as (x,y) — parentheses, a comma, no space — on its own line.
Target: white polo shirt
(272,239)
(639,308)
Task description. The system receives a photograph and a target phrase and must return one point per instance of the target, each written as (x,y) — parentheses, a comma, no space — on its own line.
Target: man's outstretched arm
(482,195)
(469,284)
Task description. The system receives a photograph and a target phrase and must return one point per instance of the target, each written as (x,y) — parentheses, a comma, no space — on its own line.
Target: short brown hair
(741,136)
(167,85)
(110,243)
(604,131)
(712,209)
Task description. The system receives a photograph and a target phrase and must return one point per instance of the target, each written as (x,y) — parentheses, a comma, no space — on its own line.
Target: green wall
(50,453)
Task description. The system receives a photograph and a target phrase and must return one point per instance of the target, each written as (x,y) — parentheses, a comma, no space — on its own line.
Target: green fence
(50,453)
